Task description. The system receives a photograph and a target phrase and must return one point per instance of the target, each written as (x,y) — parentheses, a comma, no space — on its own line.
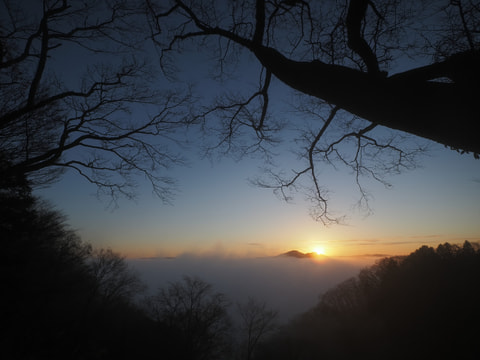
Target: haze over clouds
(289,285)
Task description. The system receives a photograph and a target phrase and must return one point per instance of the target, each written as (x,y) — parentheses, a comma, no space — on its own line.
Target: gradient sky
(218,212)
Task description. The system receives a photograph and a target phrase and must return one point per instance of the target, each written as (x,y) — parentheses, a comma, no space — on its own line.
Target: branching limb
(362,151)
(322,207)
(318,197)
(232,118)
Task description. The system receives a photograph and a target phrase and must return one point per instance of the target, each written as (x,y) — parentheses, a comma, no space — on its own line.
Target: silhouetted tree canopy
(366,74)
(416,307)
(76,93)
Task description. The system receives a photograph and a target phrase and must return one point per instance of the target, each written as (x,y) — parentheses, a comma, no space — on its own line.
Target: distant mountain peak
(300,255)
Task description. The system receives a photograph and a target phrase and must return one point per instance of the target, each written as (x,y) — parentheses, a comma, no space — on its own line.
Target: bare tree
(76,93)
(195,318)
(114,280)
(372,72)
(256,322)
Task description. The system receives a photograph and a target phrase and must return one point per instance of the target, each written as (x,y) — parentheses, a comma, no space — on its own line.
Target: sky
(217,211)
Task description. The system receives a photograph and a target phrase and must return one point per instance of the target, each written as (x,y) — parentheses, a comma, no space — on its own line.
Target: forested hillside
(424,305)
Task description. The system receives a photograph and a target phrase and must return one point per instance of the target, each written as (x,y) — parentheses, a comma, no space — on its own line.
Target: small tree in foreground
(193,318)
(114,279)
(256,321)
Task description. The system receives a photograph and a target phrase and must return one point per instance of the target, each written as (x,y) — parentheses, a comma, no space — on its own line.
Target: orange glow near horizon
(342,247)
(319,250)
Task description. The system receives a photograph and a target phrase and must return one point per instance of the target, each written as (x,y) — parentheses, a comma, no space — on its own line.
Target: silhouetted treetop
(193,318)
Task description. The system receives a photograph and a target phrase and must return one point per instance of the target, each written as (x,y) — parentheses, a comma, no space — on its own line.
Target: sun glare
(319,251)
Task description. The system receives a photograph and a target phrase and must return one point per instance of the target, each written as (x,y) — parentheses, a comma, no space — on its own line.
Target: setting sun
(319,251)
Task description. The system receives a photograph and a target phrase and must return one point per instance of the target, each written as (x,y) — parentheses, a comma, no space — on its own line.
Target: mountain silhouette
(300,255)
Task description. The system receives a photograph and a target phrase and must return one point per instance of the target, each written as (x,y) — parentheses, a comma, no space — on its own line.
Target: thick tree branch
(423,108)
(406,102)
(259,22)
(355,15)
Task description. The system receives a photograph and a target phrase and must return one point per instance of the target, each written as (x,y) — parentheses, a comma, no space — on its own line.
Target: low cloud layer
(289,285)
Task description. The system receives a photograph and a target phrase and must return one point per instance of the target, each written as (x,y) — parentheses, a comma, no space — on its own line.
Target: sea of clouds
(289,285)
